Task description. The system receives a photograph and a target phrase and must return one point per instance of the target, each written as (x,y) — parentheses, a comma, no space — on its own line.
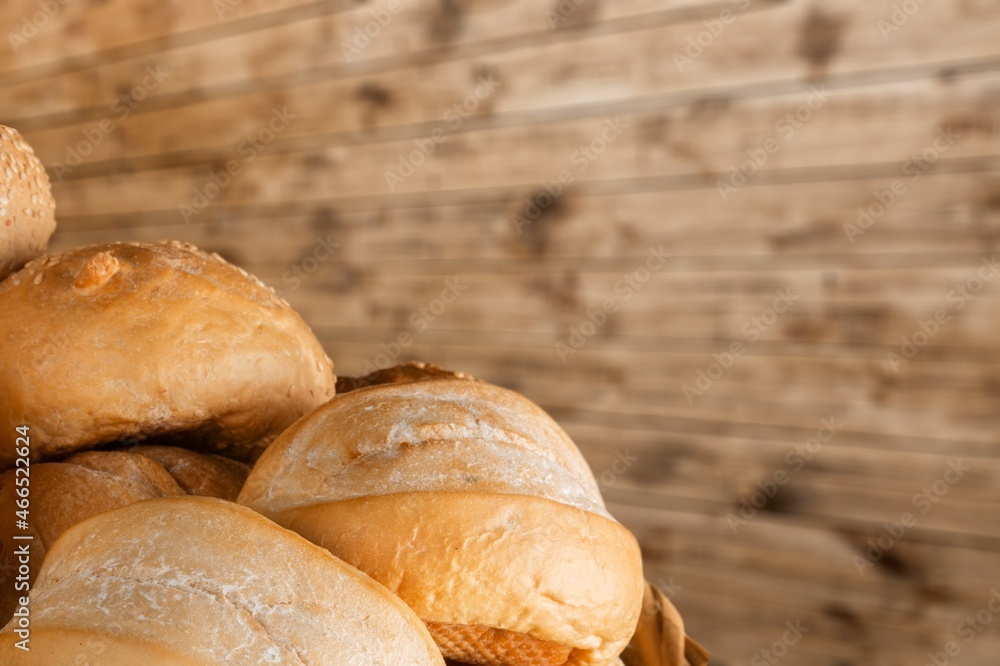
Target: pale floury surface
(201,581)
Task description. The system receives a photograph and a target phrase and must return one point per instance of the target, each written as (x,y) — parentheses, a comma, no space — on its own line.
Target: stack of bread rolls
(204,490)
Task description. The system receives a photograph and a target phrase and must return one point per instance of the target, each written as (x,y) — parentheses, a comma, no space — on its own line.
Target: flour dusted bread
(160,341)
(202,582)
(65,493)
(27,209)
(474,506)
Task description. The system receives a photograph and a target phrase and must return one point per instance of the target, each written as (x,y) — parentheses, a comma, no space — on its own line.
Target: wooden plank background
(133,105)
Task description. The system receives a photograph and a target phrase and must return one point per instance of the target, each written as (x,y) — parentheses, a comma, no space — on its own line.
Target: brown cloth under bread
(659,638)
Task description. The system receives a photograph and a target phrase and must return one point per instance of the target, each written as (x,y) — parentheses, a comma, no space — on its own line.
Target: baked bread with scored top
(470,503)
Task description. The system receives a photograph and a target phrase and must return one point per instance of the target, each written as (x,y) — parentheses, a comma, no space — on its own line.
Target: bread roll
(157,341)
(65,493)
(201,582)
(27,209)
(474,506)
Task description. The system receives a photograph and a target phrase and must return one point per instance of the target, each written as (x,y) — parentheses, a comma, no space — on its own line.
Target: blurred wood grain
(313,213)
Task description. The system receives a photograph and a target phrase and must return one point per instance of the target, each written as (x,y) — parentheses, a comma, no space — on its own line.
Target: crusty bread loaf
(63,494)
(469,502)
(200,581)
(27,209)
(159,341)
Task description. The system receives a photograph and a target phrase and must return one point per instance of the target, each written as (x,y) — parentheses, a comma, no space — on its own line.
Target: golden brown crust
(487,646)
(162,340)
(68,647)
(207,475)
(139,474)
(27,209)
(414,371)
(161,577)
(522,564)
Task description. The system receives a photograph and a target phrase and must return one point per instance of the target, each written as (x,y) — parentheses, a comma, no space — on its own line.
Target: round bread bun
(27,209)
(63,494)
(474,506)
(200,582)
(161,342)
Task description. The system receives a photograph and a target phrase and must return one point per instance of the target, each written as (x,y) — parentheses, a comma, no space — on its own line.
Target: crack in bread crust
(207,589)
